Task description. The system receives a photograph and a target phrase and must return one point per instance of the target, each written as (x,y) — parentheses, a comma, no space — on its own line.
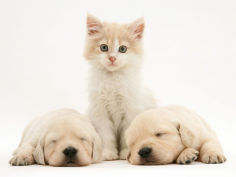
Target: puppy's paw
(187,156)
(212,157)
(123,154)
(22,160)
(109,155)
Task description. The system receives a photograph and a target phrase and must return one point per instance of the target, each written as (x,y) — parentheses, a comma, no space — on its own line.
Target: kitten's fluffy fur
(116,91)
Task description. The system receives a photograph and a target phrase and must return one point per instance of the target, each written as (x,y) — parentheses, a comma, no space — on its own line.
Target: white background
(190,59)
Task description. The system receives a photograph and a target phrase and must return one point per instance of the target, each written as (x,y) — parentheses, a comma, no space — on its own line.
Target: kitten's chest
(115,93)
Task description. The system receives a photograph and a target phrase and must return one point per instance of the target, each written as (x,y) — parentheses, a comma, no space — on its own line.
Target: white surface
(122,168)
(190,59)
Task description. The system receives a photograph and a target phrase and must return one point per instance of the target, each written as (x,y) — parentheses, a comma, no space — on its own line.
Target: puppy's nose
(70,152)
(112,59)
(145,152)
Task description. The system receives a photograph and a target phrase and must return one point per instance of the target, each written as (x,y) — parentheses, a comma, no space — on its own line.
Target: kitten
(117,95)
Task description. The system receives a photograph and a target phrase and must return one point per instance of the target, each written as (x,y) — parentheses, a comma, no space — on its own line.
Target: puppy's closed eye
(159,134)
(83,139)
(51,142)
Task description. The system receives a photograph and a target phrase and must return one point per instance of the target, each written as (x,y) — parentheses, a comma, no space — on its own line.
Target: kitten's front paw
(187,156)
(212,157)
(22,160)
(123,154)
(109,155)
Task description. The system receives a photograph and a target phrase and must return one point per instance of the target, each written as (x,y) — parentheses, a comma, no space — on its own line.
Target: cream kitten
(116,91)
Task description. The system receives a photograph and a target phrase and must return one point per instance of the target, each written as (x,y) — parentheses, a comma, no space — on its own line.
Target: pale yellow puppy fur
(60,138)
(171,134)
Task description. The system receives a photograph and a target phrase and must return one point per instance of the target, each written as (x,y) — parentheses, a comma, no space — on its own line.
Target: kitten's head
(113,46)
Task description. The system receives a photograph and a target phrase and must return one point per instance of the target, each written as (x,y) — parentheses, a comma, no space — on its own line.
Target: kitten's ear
(94,26)
(136,28)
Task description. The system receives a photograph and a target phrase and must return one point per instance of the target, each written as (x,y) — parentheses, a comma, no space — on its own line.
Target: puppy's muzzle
(145,152)
(70,152)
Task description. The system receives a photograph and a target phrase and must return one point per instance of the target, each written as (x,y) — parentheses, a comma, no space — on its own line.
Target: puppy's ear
(38,153)
(188,135)
(128,156)
(97,147)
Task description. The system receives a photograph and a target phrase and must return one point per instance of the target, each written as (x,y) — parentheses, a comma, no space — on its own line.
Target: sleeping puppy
(60,138)
(171,134)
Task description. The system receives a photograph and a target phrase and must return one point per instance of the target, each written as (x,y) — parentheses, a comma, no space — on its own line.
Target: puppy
(60,138)
(171,134)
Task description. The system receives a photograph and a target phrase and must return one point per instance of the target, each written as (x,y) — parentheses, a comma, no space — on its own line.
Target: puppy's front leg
(187,156)
(105,129)
(23,155)
(211,152)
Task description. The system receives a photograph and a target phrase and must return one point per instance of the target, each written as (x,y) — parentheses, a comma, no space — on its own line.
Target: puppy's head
(153,138)
(68,142)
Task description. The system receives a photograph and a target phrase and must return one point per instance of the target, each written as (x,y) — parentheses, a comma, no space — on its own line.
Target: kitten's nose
(112,59)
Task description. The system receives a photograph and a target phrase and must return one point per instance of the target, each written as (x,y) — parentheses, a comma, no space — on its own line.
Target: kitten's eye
(159,134)
(103,47)
(122,49)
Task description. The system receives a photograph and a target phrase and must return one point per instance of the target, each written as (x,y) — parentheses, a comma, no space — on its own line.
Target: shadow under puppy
(171,134)
(60,138)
